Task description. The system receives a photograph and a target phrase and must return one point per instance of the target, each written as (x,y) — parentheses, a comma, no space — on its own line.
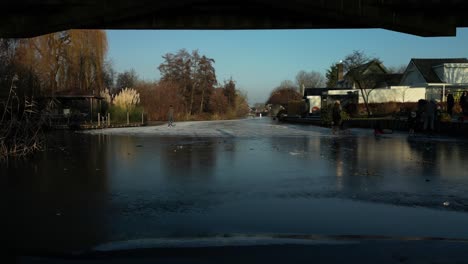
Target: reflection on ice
(249,176)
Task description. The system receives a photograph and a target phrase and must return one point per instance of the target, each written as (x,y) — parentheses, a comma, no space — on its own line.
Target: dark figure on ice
(421,114)
(170,116)
(450,103)
(464,103)
(336,116)
(412,121)
(429,118)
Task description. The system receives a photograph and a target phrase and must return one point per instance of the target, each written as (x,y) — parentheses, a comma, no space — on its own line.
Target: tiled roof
(425,67)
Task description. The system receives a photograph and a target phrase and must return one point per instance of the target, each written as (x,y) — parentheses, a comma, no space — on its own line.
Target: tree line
(68,60)
(293,90)
(74,62)
(189,83)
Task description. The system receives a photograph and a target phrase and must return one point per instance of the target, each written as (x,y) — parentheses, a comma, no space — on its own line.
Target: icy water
(249,177)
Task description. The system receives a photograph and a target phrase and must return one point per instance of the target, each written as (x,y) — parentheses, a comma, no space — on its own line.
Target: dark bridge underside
(28,18)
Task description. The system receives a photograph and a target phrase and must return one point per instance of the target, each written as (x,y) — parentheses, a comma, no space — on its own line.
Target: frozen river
(250,177)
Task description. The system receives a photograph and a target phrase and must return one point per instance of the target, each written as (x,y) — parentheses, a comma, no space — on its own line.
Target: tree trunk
(364,96)
(202,99)
(191,100)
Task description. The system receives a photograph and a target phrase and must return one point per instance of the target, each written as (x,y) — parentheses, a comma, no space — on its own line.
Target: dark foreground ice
(250,178)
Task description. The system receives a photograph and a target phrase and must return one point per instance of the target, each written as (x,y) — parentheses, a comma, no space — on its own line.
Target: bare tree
(157,97)
(195,76)
(364,80)
(310,79)
(355,59)
(281,96)
(127,79)
(109,75)
(218,101)
(177,69)
(288,84)
(242,106)
(204,79)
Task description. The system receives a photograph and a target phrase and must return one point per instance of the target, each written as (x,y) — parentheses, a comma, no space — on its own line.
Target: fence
(105,120)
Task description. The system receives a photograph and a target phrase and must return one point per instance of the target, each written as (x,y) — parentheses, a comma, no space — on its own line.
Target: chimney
(340,71)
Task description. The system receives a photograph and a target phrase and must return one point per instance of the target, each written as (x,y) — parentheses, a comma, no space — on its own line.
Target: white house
(427,72)
(437,75)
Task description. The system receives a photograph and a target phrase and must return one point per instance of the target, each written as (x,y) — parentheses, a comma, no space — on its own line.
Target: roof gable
(372,71)
(373,66)
(425,67)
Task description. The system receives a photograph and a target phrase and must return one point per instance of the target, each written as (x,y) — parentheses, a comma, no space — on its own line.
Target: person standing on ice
(336,116)
(170,116)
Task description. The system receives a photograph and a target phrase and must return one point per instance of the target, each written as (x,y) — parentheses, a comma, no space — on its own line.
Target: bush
(119,115)
(157,97)
(326,115)
(127,98)
(21,124)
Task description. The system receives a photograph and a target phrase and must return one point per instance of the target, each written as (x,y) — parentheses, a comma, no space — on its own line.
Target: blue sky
(259,60)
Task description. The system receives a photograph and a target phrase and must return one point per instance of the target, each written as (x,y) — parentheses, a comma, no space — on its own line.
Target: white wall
(402,94)
(314,100)
(456,73)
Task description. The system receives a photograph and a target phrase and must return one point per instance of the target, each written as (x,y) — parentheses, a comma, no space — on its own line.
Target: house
(429,72)
(372,73)
(438,76)
(388,80)
(317,98)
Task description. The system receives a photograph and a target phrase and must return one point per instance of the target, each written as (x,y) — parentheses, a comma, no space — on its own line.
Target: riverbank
(457,129)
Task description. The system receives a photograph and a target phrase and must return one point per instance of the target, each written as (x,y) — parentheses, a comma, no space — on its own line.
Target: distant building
(317,98)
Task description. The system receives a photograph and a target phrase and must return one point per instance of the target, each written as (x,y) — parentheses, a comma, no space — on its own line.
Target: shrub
(157,97)
(21,124)
(119,115)
(383,109)
(127,99)
(218,102)
(326,115)
(106,95)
